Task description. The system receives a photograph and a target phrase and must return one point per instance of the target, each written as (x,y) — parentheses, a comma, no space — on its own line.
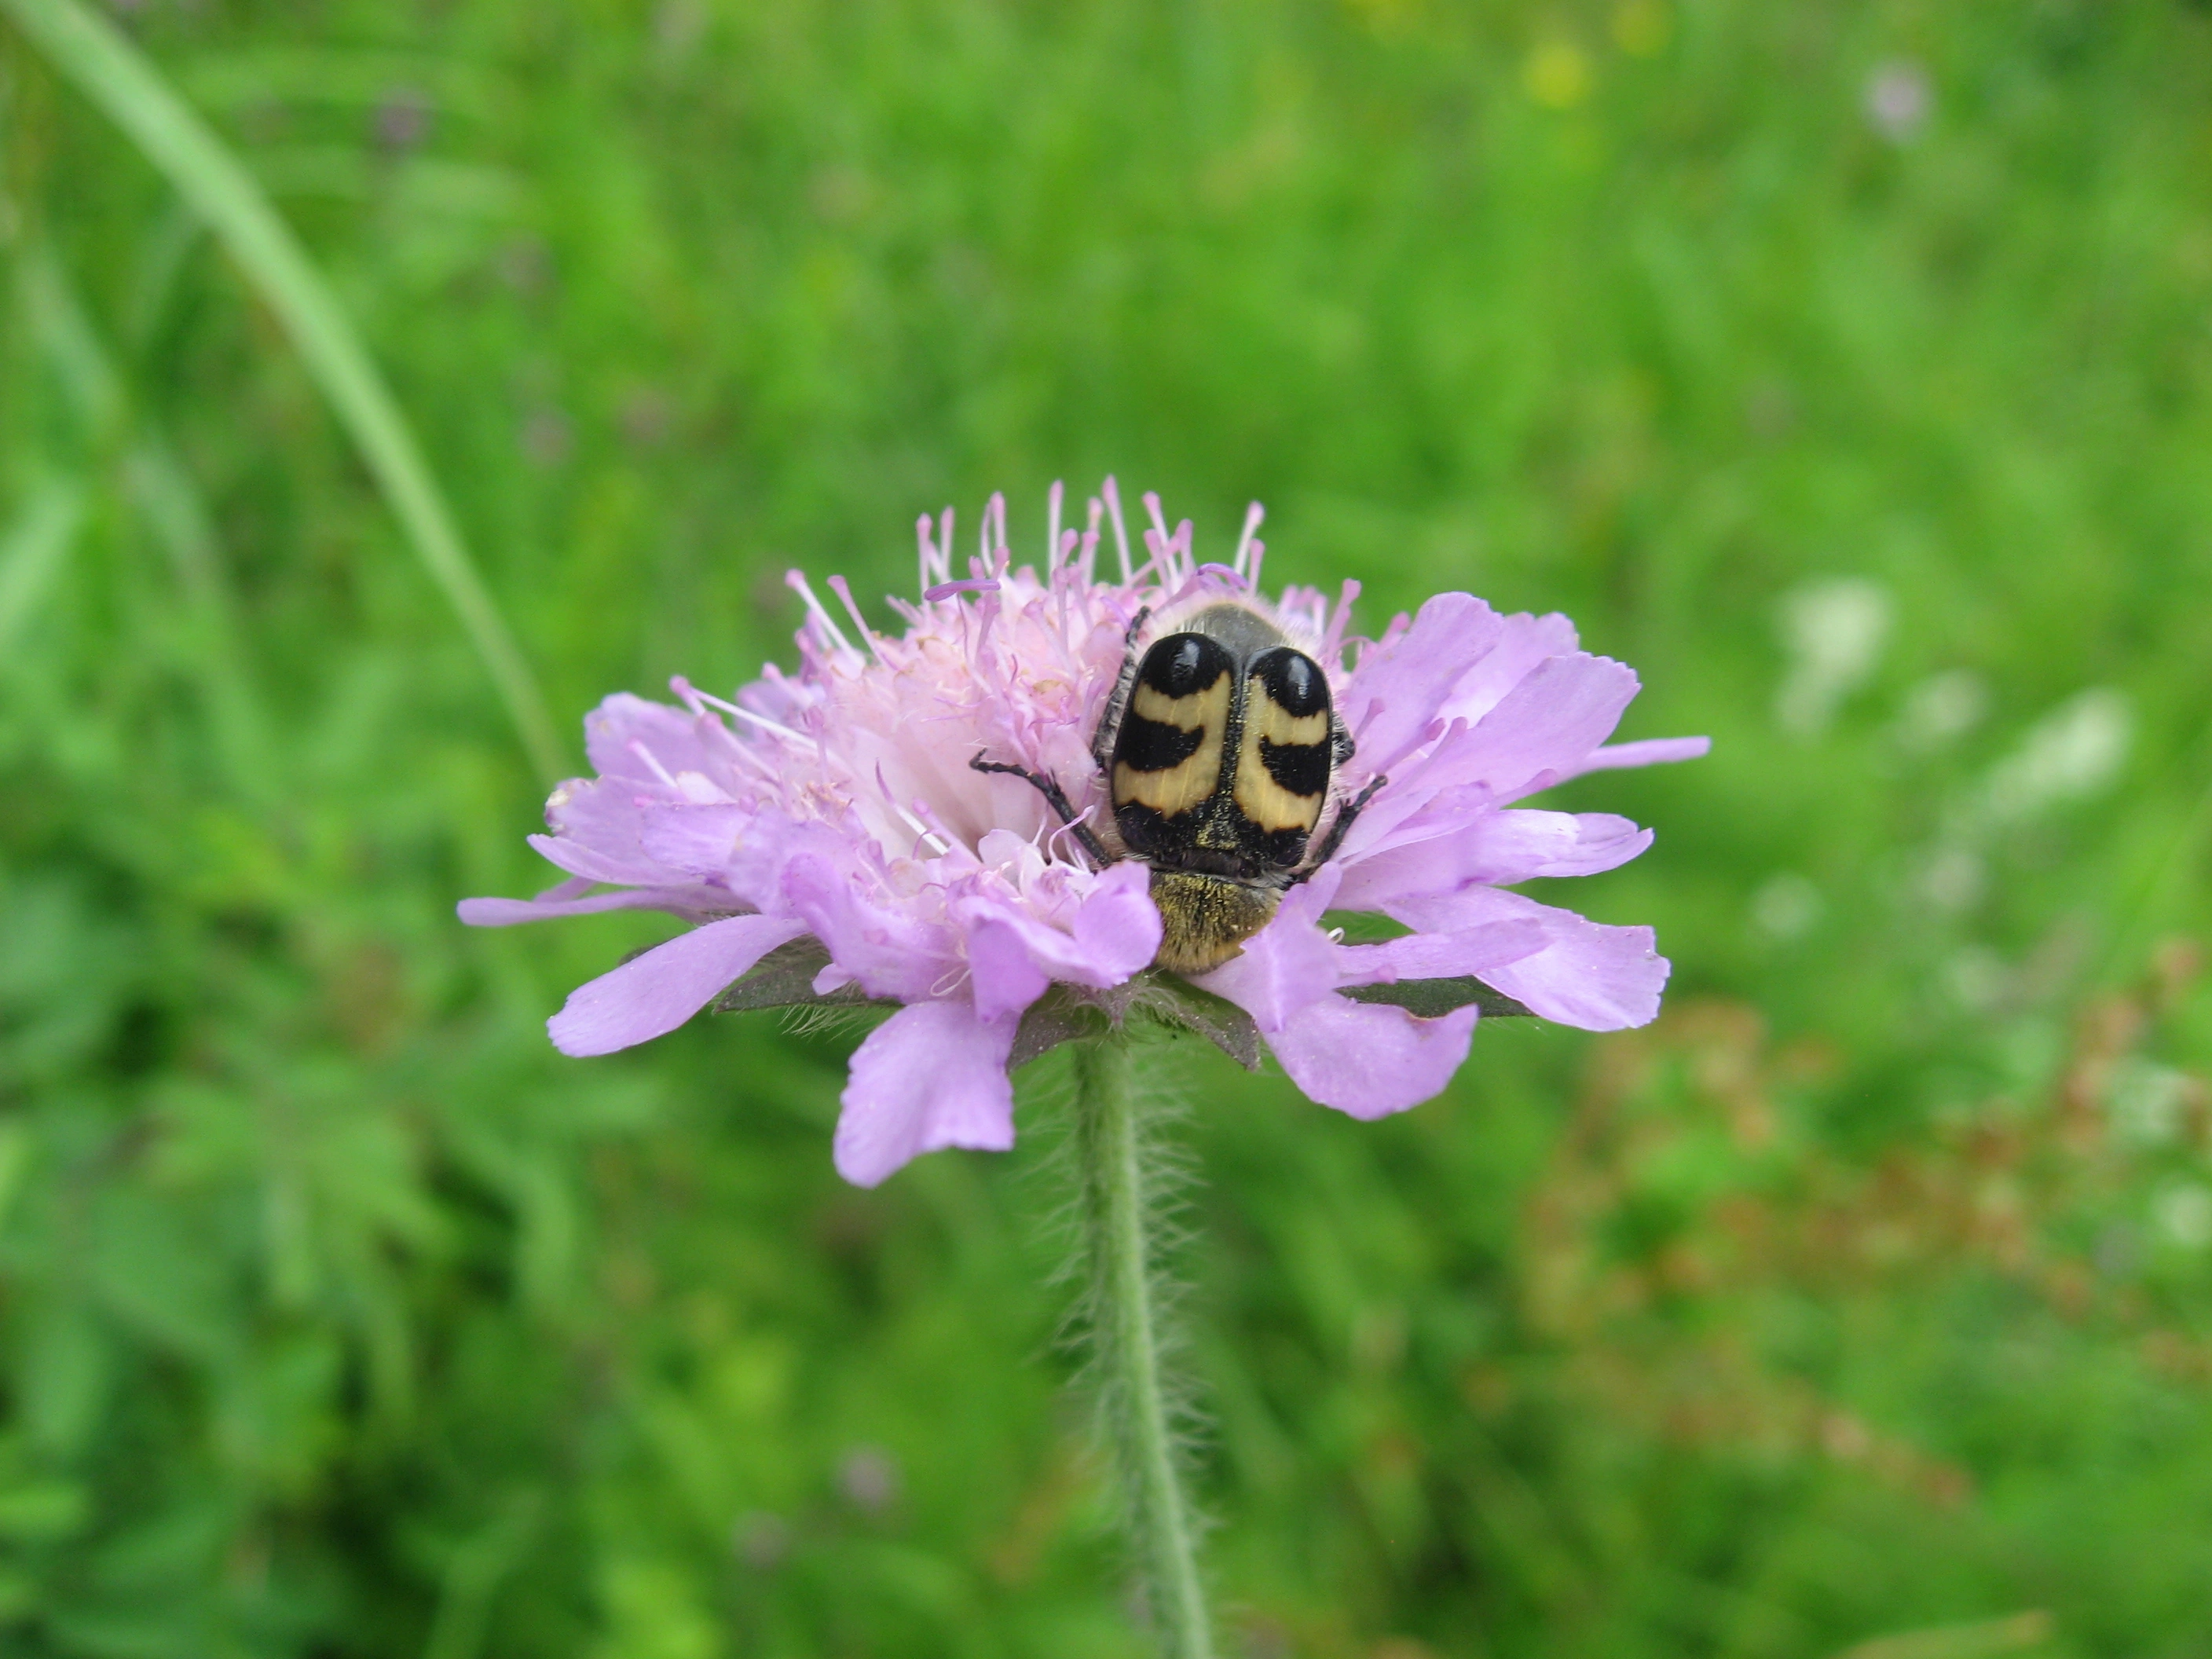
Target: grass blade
(32,550)
(103,65)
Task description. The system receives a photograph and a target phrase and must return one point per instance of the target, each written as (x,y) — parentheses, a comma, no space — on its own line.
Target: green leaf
(1179,1003)
(43,1510)
(1431,998)
(784,978)
(32,549)
(1055,1017)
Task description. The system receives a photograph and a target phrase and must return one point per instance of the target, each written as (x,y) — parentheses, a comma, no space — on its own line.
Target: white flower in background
(1833,632)
(1898,97)
(1954,878)
(2074,753)
(2071,754)
(1786,906)
(1941,709)
(1977,978)
(2148,1101)
(2183,1213)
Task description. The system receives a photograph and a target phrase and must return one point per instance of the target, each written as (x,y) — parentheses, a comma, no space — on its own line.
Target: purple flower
(825,832)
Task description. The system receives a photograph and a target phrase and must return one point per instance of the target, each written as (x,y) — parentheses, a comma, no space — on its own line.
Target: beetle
(1219,744)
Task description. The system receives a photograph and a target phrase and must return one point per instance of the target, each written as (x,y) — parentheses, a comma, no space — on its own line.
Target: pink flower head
(828,835)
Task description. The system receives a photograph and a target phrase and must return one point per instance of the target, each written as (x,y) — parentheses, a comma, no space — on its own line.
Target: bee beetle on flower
(1218,742)
(1059,801)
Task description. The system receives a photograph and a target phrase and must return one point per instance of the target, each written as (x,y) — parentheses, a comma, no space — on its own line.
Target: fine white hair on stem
(1171,1174)
(831,1018)
(1128,1179)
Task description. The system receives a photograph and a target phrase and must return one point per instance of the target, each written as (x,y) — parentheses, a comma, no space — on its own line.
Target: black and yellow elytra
(1218,745)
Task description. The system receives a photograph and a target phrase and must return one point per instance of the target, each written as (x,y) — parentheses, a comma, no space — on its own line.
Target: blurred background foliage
(1847,368)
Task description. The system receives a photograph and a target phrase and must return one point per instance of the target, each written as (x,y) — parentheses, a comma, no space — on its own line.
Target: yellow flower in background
(1557,74)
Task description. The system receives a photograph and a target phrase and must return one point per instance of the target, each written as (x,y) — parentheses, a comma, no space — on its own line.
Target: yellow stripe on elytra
(1263,800)
(1178,788)
(1187,713)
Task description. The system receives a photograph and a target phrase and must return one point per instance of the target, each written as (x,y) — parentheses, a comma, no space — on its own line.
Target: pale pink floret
(839,802)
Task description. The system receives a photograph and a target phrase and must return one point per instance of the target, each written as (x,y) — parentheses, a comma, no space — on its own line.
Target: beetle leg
(1341,748)
(1110,722)
(1337,831)
(1056,798)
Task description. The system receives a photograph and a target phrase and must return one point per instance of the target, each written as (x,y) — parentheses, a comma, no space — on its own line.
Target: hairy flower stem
(1124,1327)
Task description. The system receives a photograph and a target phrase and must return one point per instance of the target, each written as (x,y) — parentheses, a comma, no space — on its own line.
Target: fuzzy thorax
(1205,920)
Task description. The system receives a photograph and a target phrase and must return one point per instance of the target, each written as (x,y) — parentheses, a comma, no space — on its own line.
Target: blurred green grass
(1844,369)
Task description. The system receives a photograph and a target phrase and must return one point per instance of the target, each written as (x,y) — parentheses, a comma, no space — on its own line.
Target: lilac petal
(1004,973)
(1287,964)
(1117,930)
(595,832)
(1477,950)
(695,901)
(890,953)
(699,839)
(573,888)
(599,824)
(1598,978)
(1651,751)
(1545,727)
(1414,808)
(1013,956)
(654,993)
(1524,642)
(623,724)
(932,1075)
(1401,684)
(1523,845)
(1370,1060)
(758,860)
(1493,850)
(589,864)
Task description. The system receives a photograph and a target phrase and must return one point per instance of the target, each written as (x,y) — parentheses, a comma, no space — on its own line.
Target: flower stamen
(1113,495)
(824,624)
(1245,545)
(1089,560)
(844,590)
(765,723)
(922,832)
(638,748)
(1332,641)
